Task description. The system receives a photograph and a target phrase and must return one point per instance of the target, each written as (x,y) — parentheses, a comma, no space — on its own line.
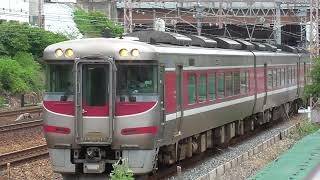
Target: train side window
(275,77)
(287,76)
(282,77)
(243,82)
(212,86)
(229,84)
(290,75)
(270,79)
(236,83)
(192,88)
(220,78)
(279,77)
(293,75)
(248,82)
(202,87)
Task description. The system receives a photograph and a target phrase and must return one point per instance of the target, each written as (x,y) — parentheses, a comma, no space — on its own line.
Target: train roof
(170,44)
(195,50)
(175,39)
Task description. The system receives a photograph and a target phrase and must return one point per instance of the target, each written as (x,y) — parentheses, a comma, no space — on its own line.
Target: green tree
(95,24)
(12,40)
(314,88)
(40,39)
(16,37)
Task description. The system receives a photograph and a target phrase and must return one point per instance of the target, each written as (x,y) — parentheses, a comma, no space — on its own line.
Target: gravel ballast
(250,167)
(21,139)
(225,155)
(42,169)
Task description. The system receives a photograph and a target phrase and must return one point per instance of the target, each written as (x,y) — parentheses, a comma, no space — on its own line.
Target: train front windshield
(60,82)
(135,83)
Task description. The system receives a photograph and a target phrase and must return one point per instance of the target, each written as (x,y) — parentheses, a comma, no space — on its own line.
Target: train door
(94,101)
(179,98)
(162,100)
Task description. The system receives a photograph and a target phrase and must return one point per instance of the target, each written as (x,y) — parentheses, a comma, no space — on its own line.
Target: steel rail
(36,109)
(22,125)
(23,155)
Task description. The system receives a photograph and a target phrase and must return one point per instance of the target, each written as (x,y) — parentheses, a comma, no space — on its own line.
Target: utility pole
(199,16)
(277,24)
(314,29)
(127,16)
(40,14)
(220,15)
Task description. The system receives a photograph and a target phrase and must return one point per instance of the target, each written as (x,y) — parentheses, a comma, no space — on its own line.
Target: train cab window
(236,83)
(244,82)
(192,89)
(95,84)
(270,79)
(212,86)
(59,82)
(202,87)
(137,83)
(220,78)
(229,84)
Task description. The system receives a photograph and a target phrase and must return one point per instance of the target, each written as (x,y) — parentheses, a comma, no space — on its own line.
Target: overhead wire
(59,18)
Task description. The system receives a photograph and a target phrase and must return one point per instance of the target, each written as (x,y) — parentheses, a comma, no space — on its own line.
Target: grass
(305,128)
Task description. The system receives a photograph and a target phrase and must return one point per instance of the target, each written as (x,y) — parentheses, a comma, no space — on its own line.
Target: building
(15,10)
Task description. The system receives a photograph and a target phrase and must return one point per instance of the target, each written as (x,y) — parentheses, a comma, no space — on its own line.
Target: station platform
(301,162)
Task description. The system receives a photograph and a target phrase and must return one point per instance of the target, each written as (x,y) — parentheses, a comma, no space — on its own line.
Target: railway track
(22,125)
(35,109)
(165,171)
(23,155)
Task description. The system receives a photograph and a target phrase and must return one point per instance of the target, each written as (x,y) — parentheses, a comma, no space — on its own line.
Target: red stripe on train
(122,108)
(140,130)
(56,129)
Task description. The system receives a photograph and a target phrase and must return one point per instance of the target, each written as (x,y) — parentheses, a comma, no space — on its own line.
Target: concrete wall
(107,7)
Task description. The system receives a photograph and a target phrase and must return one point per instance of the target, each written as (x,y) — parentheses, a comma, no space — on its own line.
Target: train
(156,97)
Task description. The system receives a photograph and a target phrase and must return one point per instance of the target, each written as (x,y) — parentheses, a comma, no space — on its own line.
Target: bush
(31,69)
(20,47)
(20,78)
(2,101)
(121,171)
(95,24)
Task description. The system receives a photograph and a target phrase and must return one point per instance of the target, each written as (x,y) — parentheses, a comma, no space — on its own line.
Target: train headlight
(124,53)
(58,52)
(69,53)
(135,52)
